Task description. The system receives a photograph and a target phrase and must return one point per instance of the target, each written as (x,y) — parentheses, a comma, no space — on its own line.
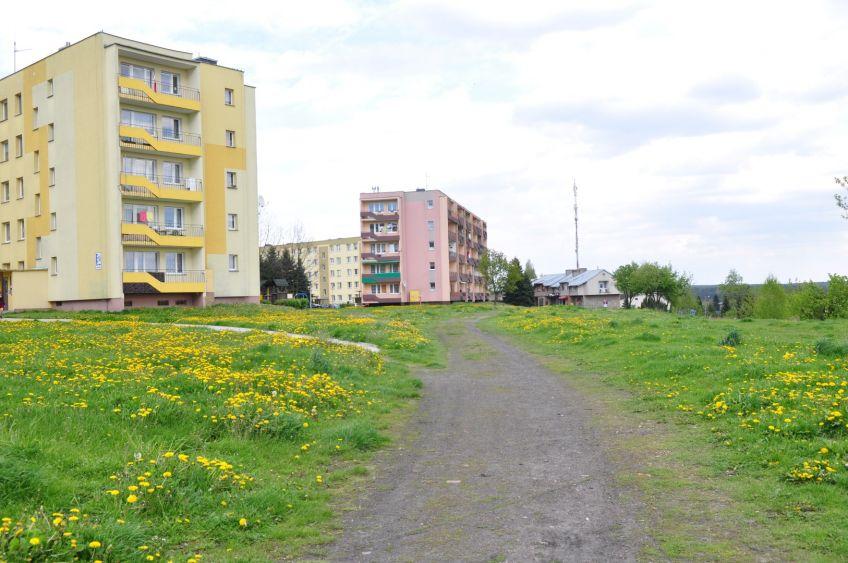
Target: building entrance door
(4,292)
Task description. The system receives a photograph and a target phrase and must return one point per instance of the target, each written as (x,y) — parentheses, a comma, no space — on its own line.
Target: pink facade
(419,246)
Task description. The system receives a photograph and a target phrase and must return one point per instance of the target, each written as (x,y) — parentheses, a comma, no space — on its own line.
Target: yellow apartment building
(332,267)
(127,179)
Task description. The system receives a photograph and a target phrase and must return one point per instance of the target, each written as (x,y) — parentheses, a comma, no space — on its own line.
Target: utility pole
(15,52)
(576,240)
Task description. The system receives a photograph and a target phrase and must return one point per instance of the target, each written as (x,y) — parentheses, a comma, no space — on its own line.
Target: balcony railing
(157,87)
(165,276)
(368,235)
(172,230)
(379,216)
(138,185)
(380,277)
(165,134)
(375,257)
(381,299)
(452,256)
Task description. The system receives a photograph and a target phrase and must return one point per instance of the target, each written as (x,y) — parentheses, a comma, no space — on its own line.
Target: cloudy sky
(704,134)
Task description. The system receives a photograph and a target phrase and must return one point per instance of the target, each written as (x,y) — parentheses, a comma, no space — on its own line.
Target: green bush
(809,302)
(829,348)
(733,338)
(648,337)
(300,303)
(770,302)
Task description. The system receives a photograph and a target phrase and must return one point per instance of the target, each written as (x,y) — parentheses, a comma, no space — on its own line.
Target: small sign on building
(98,260)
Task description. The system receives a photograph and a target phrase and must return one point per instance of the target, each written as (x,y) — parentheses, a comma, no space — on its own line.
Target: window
(39,248)
(134,213)
(7,232)
(429,204)
(49,87)
(50,132)
(432,265)
(19,146)
(4,151)
(21,229)
(19,104)
(230,138)
(432,245)
(21,265)
(431,225)
(146,121)
(139,72)
(232,221)
(432,286)
(53,221)
(172,173)
(141,261)
(174,262)
(171,128)
(231,179)
(174,217)
(144,167)
(34,118)
(233,262)
(394,288)
(392,206)
(170,82)
(228,96)
(375,207)
(4,110)
(54,266)
(20,183)
(375,289)
(602,287)
(51,174)
(35,163)
(4,192)
(38,204)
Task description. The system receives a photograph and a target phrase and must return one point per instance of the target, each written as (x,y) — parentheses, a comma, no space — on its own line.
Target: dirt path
(498,464)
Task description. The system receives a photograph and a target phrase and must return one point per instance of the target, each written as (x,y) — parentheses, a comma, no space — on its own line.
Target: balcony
(369,236)
(160,281)
(158,234)
(153,187)
(153,94)
(381,277)
(453,218)
(152,139)
(371,299)
(370,257)
(451,256)
(373,216)
(453,276)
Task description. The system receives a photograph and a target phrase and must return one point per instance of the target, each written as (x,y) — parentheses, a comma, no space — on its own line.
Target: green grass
(710,435)
(89,407)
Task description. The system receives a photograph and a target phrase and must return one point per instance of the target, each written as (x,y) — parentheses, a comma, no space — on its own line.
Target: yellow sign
(414,296)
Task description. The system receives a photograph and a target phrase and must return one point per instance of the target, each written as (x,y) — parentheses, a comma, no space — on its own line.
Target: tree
(530,271)
(300,282)
(735,291)
(661,285)
(519,286)
(269,231)
(842,200)
(493,268)
(809,302)
(270,268)
(287,268)
(837,296)
(770,302)
(623,277)
(715,306)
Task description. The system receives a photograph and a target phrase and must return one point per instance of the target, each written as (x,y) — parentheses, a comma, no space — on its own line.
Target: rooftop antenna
(375,189)
(15,52)
(576,240)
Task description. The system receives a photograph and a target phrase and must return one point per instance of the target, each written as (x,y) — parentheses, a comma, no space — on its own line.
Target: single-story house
(585,288)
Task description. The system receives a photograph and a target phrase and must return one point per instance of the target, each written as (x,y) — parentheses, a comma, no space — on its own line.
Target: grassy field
(128,441)
(741,442)
(123,438)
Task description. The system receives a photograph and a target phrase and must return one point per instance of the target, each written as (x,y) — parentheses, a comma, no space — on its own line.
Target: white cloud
(704,134)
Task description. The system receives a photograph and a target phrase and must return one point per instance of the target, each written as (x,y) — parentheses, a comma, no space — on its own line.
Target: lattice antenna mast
(15,52)
(576,239)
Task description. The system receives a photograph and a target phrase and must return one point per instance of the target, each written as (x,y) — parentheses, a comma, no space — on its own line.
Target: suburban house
(585,288)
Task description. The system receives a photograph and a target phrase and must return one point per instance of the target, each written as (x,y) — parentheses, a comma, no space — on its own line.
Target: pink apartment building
(419,246)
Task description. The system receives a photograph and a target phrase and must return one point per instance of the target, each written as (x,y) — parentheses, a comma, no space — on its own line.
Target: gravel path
(500,463)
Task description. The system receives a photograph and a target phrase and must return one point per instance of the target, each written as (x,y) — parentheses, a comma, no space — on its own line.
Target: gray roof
(555,280)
